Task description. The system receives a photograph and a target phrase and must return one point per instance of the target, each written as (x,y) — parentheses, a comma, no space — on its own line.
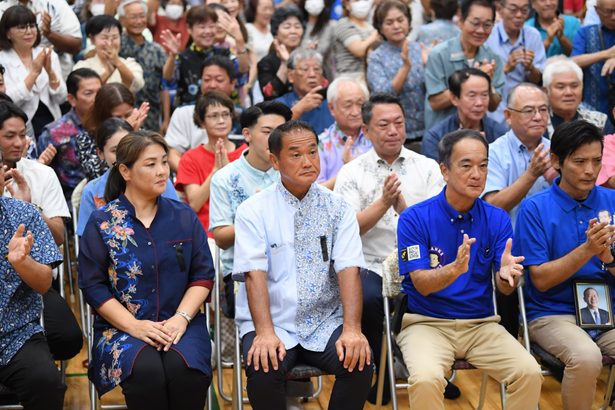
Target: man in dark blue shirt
(448,279)
(563,240)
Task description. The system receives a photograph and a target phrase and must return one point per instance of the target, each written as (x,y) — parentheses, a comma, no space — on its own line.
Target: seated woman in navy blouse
(145,267)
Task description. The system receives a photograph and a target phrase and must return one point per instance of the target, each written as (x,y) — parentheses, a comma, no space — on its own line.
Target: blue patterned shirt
(382,66)
(20,306)
(230,186)
(301,245)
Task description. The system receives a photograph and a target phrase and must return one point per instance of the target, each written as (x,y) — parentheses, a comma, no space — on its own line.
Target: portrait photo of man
(592,313)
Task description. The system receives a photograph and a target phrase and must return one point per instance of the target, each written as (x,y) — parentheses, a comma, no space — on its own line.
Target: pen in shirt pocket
(324,249)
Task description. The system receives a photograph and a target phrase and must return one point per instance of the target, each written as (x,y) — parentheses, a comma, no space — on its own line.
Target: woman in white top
(104,32)
(258,17)
(33,75)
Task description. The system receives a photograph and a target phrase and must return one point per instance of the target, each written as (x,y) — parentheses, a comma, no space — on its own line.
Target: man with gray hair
(307,100)
(343,140)
(563,80)
(151,56)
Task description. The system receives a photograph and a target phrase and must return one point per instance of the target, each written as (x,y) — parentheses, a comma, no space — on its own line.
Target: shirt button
(452,220)
(580,222)
(462,231)
(153,290)
(149,243)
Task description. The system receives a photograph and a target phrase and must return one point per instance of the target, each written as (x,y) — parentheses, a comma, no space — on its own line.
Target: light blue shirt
(444,60)
(93,196)
(508,160)
(230,186)
(301,245)
(529,39)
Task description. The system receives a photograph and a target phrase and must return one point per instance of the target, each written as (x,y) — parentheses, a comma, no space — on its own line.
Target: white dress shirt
(361,181)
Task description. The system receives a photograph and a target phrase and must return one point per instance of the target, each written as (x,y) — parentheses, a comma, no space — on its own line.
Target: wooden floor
(468,381)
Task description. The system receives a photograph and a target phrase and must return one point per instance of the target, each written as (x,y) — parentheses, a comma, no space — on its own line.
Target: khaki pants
(560,336)
(430,346)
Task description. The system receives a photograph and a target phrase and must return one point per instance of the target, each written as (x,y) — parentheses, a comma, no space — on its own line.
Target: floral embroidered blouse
(148,272)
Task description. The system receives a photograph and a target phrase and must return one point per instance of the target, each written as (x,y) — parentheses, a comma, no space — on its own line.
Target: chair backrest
(391,279)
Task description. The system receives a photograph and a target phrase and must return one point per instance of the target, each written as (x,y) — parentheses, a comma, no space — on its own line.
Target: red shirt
(194,168)
(180,26)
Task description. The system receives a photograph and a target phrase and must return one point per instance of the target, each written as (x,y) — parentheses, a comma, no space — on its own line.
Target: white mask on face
(97,9)
(174,11)
(360,9)
(314,7)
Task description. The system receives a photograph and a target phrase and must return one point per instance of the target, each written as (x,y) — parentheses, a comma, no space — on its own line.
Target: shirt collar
(292,200)
(515,144)
(127,205)
(249,168)
(452,214)
(503,35)
(568,203)
(404,155)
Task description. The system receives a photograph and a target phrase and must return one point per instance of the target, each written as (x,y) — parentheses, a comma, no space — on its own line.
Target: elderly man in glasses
(307,100)
(520,46)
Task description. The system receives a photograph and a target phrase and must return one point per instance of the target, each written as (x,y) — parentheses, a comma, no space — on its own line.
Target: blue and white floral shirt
(301,245)
(230,186)
(20,306)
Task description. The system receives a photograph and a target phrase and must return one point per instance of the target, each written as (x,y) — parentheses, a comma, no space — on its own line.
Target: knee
(429,377)
(528,369)
(43,380)
(586,359)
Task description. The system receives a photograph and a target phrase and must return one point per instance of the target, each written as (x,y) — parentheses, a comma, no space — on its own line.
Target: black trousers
(267,391)
(372,320)
(34,377)
(162,381)
(61,328)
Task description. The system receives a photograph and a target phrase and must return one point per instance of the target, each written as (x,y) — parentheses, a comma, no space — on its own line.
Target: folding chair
(551,365)
(391,290)
(75,200)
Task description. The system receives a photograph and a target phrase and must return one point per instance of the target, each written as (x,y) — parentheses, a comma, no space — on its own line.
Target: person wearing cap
(151,57)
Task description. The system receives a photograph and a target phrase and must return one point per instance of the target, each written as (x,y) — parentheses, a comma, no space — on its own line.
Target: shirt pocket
(280,261)
(180,254)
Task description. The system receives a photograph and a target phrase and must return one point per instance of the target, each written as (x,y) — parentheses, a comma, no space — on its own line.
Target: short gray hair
(334,88)
(560,65)
(301,54)
(121,12)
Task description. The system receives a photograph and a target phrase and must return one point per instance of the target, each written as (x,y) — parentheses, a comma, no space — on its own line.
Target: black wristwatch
(612,263)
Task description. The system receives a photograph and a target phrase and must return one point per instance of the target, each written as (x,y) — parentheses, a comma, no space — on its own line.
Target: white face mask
(360,9)
(97,9)
(174,11)
(314,7)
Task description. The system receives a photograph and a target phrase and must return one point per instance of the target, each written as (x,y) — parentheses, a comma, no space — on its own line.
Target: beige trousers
(560,336)
(430,346)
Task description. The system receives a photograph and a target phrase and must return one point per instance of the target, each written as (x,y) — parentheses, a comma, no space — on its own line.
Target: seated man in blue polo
(563,238)
(469,89)
(307,100)
(448,278)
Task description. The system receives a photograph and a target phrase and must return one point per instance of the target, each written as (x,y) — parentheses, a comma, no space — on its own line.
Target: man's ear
(275,162)
(555,162)
(245,132)
(444,171)
(72,100)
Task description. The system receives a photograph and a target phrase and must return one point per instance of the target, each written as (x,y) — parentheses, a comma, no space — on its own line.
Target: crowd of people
(308,141)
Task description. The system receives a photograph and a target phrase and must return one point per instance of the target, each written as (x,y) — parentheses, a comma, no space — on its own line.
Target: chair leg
(389,352)
(503,395)
(609,388)
(238,382)
(483,391)
(217,327)
(381,370)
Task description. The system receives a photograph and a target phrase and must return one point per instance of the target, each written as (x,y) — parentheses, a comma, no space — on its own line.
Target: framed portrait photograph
(592,299)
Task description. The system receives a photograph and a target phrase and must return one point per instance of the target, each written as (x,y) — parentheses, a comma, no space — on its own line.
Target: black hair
(275,138)
(128,151)
(323,18)
(109,127)
(375,99)
(211,98)
(201,14)
(459,77)
(221,61)
(1,69)
(11,110)
(466,5)
(284,13)
(249,117)
(444,9)
(6,98)
(446,145)
(74,79)
(99,23)
(570,136)
(16,16)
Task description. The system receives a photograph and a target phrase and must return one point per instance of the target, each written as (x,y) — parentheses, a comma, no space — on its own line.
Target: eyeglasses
(516,10)
(217,116)
(529,112)
(486,25)
(605,12)
(22,28)
(306,69)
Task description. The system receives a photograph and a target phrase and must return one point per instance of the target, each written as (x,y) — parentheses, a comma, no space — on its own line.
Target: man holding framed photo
(592,314)
(563,241)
